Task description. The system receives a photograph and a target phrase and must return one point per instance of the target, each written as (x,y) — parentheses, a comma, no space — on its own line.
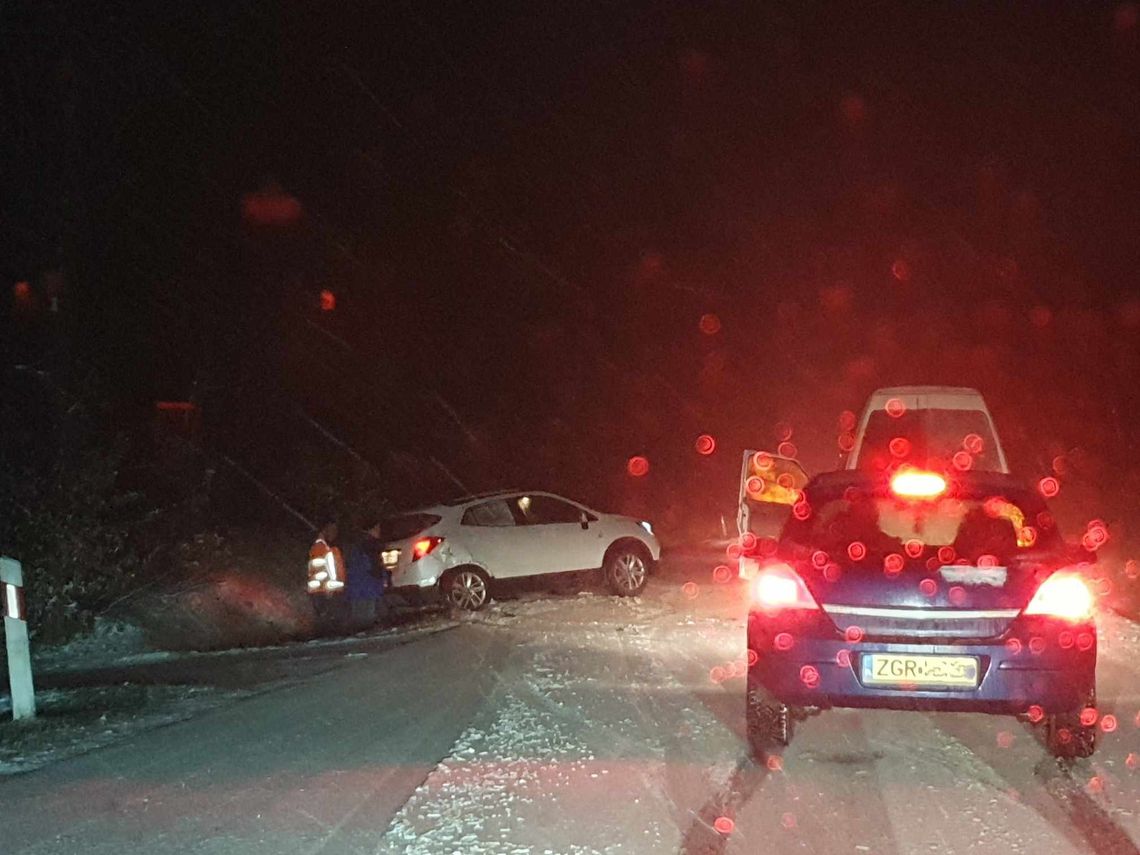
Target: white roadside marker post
(16,638)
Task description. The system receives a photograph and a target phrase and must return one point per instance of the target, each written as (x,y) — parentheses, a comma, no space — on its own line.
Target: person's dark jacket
(366,577)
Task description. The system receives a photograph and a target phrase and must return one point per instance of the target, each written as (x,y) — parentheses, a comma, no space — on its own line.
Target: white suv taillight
(777,586)
(425,546)
(1064,595)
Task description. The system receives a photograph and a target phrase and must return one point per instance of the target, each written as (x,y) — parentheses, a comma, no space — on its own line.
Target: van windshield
(929,438)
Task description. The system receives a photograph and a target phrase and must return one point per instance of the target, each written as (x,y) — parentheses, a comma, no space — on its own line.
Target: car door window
(546,510)
(495,513)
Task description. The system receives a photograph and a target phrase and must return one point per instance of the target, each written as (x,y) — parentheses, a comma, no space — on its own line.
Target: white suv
(460,546)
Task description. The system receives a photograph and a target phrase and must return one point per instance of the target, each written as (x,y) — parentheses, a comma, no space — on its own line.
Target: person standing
(367,579)
(326,571)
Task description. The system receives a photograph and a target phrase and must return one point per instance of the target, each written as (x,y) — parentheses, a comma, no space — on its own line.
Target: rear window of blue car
(860,525)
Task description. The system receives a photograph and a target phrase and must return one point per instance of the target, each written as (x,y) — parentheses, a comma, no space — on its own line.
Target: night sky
(525,210)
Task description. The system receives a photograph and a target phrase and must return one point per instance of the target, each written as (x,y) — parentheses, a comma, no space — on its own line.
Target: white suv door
(553,534)
(490,533)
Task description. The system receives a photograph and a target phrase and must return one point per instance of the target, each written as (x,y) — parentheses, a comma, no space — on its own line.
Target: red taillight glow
(913,484)
(1063,595)
(425,546)
(777,586)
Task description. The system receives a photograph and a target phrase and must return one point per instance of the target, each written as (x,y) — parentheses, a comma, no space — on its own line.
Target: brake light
(425,546)
(778,586)
(1063,595)
(914,484)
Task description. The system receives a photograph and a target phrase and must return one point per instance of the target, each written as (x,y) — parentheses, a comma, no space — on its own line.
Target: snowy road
(579,724)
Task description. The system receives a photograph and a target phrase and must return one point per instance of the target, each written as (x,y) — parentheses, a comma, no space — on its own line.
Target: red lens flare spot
(946,554)
(762,461)
(1004,739)
(724,825)
(987,560)
(893,564)
(809,676)
(1049,486)
(957,595)
(718,674)
(638,466)
(914,548)
(1060,465)
(1064,736)
(928,587)
(899,446)
(705,444)
(748,541)
(1035,713)
(1125,17)
(847,421)
(1108,723)
(901,270)
(328,301)
(1013,645)
(801,510)
(932,564)
(846,442)
(1037,644)
(783,431)
(755,486)
(856,551)
(895,408)
(843,658)
(853,634)
(709,324)
(832,572)
(775,763)
(1066,639)
(690,590)
(788,820)
(973,443)
(752,657)
(1095,784)
(1089,716)
(733,551)
(1084,641)
(1026,536)
(783,641)
(1132,569)
(22,291)
(787,449)
(1040,317)
(963,461)
(785,480)
(819,559)
(1131,761)
(722,574)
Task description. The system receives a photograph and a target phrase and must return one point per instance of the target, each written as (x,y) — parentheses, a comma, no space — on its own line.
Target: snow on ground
(589,744)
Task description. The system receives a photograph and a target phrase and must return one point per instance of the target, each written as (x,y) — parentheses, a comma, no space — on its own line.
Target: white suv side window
(492,513)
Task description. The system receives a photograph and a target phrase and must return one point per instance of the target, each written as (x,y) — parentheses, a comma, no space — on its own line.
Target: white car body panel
(507,552)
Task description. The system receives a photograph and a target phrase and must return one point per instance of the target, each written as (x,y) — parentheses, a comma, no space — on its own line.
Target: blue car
(919,590)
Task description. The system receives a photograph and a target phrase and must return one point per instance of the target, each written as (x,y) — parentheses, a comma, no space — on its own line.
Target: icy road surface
(578,724)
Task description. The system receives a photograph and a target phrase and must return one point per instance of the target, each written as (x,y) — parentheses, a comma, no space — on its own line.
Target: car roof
(451,505)
(929,397)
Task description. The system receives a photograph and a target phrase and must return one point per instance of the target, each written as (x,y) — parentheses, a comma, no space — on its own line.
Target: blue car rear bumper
(1036,669)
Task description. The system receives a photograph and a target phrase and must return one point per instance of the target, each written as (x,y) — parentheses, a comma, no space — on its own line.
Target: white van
(936,422)
(950,425)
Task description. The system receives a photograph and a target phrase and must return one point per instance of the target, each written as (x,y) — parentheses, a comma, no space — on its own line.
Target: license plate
(906,669)
(390,557)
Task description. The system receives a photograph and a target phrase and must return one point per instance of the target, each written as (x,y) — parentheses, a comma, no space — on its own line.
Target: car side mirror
(584,519)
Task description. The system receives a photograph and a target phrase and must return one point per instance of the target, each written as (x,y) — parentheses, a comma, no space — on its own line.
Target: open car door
(769,485)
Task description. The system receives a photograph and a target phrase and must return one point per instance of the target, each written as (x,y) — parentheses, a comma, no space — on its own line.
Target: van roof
(928,397)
